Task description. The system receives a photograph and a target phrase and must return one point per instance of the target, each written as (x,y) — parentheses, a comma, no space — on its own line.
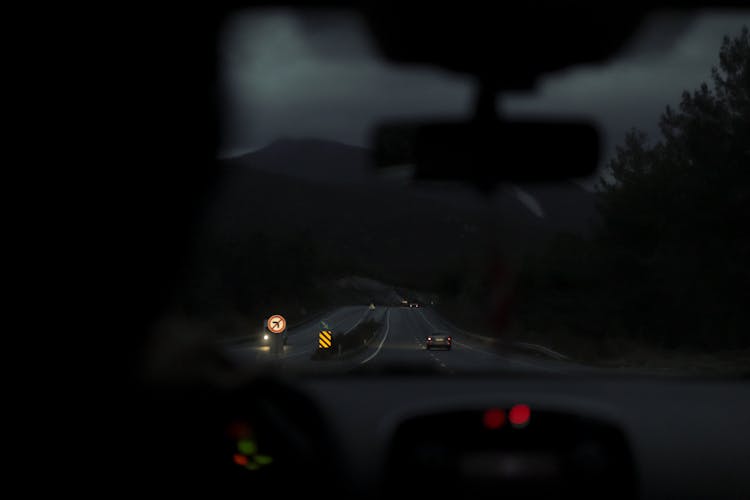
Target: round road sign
(276,323)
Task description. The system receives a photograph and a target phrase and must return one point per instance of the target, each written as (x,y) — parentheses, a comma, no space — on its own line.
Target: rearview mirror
(488,153)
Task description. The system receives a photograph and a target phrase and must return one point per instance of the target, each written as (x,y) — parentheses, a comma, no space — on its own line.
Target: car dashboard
(468,436)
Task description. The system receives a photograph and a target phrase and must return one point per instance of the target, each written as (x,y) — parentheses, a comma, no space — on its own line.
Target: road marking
(385,336)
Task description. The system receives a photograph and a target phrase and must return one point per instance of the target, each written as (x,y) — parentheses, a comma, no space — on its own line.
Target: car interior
(396,419)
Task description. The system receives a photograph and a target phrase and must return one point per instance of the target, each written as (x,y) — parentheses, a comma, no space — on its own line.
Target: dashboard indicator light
(494,418)
(519,415)
(247,447)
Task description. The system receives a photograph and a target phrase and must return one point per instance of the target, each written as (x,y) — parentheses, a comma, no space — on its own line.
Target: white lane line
(385,336)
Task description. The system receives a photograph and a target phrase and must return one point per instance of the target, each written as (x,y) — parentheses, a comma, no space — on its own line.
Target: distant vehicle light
(429,338)
(265,337)
(519,415)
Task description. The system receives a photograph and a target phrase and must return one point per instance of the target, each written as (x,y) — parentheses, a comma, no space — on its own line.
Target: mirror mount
(485,108)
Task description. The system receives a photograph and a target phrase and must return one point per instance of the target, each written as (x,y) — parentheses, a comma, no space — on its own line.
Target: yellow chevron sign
(324,339)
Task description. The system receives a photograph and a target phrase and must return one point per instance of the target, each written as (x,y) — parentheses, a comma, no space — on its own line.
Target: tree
(675,218)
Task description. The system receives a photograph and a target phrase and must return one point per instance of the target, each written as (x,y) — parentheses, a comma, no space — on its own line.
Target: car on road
(415,304)
(438,340)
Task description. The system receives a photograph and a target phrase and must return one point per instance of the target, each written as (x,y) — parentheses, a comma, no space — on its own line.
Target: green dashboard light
(246,447)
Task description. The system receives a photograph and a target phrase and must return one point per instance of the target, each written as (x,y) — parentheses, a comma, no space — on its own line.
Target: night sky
(318,75)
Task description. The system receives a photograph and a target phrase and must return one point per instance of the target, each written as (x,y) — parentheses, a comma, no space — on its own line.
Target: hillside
(301,214)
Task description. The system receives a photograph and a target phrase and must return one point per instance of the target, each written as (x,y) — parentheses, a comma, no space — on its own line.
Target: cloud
(280,83)
(633,89)
(318,75)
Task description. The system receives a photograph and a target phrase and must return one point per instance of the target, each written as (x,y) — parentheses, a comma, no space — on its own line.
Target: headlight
(265,337)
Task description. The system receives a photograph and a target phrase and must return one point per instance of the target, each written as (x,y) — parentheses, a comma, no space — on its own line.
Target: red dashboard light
(494,418)
(519,415)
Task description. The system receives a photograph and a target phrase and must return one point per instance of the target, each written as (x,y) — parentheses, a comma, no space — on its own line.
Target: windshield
(313,259)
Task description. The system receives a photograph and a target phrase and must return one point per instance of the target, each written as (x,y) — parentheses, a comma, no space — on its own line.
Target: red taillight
(429,338)
(449,339)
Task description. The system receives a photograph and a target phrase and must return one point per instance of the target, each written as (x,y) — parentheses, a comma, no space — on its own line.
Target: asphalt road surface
(399,344)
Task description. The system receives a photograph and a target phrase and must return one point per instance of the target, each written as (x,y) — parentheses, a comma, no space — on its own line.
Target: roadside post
(276,324)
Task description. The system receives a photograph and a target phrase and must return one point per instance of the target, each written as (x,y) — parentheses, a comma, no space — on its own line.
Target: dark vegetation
(669,262)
